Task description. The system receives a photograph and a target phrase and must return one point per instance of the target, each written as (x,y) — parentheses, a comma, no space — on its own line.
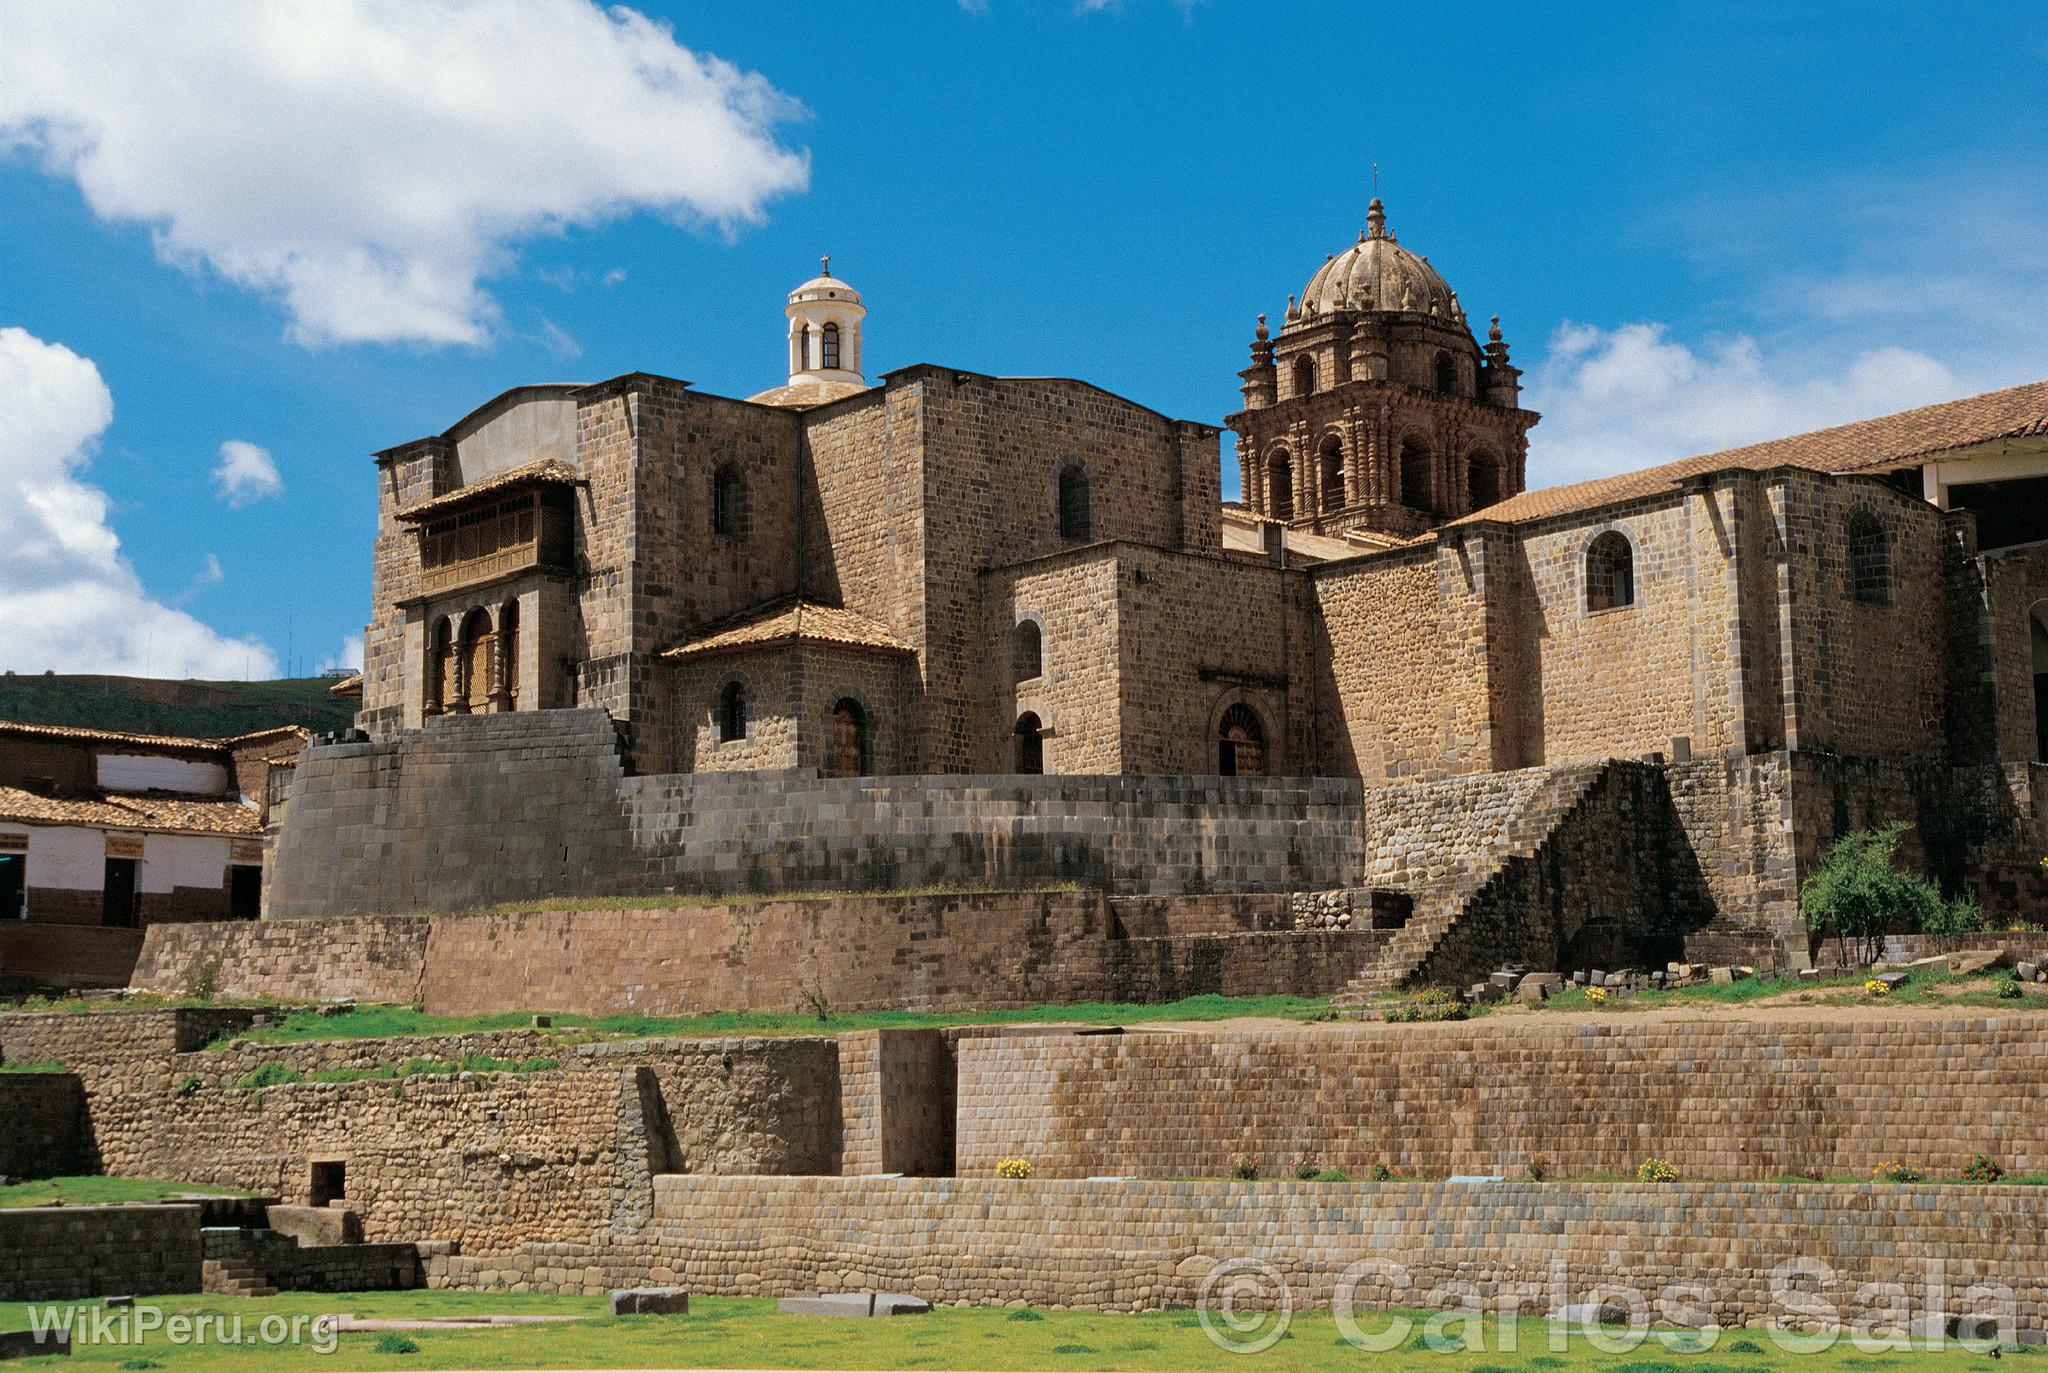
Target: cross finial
(826,262)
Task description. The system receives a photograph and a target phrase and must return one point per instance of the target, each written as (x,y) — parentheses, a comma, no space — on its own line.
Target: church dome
(1377,273)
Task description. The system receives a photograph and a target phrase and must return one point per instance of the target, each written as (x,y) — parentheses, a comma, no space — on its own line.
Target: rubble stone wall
(56,1253)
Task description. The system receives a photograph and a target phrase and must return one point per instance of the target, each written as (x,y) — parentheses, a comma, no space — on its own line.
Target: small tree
(1858,895)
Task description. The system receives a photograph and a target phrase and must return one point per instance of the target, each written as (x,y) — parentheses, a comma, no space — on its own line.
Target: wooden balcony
(499,562)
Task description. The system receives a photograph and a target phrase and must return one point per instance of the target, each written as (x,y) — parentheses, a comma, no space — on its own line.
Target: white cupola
(824,331)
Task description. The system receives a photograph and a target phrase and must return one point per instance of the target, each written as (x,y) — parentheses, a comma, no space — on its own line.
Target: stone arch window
(800,354)
(1029,744)
(506,694)
(1610,572)
(441,667)
(730,513)
(829,350)
(1076,518)
(1304,375)
(849,752)
(1870,560)
(473,662)
(1027,650)
(1280,485)
(1240,742)
(1482,479)
(732,712)
(1418,490)
(1331,461)
(1447,374)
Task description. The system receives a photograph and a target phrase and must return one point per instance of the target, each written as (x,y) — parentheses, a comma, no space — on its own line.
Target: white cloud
(209,575)
(1628,397)
(369,162)
(350,656)
(245,473)
(68,599)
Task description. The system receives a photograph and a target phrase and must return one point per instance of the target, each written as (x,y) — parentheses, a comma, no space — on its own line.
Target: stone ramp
(1432,847)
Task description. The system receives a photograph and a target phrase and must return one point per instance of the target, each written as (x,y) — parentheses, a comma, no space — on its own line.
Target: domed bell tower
(1375,408)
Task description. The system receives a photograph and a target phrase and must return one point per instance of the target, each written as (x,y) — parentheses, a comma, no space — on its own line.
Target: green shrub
(1898,1172)
(1959,915)
(1246,1169)
(1745,1347)
(1983,1168)
(1381,1172)
(2009,988)
(1432,1003)
(395,1344)
(188,1085)
(1023,1316)
(268,1074)
(1857,896)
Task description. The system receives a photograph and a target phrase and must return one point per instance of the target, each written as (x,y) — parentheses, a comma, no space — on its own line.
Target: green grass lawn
(1978,992)
(383,1022)
(750,1333)
(99,1191)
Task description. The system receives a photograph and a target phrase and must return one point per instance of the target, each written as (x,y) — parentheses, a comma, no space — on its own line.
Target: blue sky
(314,237)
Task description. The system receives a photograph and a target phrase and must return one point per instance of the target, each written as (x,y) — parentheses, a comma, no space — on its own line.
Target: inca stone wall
(1720,1099)
(480,809)
(365,958)
(42,1125)
(55,1253)
(1105,1245)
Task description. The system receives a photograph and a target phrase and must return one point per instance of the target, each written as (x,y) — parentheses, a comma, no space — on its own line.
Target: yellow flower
(1596,995)
(1877,988)
(1013,1168)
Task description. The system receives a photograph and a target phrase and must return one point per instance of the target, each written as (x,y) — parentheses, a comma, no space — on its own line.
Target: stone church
(945,572)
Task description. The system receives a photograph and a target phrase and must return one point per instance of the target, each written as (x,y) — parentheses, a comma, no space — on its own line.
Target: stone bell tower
(1375,408)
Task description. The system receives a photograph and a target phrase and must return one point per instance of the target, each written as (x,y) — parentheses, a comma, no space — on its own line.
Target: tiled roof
(269,732)
(79,735)
(806,394)
(351,685)
(793,622)
(549,471)
(1867,445)
(131,810)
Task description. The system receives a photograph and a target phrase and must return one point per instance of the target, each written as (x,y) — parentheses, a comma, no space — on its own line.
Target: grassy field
(749,1333)
(99,1191)
(1924,989)
(203,710)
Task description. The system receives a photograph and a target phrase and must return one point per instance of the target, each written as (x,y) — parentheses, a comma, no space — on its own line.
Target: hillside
(203,710)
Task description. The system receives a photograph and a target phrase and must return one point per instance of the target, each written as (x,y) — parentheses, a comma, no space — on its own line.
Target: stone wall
(56,1253)
(1721,1099)
(281,1262)
(480,809)
(1109,1245)
(42,1125)
(36,957)
(368,958)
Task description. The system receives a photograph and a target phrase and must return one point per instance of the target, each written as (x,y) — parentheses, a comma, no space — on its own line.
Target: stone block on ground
(1979,961)
(855,1304)
(315,1227)
(651,1301)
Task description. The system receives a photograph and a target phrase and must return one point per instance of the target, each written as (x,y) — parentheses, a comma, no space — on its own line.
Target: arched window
(1610,572)
(441,668)
(830,350)
(1332,474)
(1418,492)
(1304,376)
(732,712)
(802,359)
(1030,744)
(1027,650)
(1482,479)
(849,751)
(1446,374)
(1240,743)
(1075,518)
(508,656)
(473,650)
(1280,486)
(1870,559)
(729,513)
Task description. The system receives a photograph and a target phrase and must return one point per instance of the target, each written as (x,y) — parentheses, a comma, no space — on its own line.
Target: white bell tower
(824,331)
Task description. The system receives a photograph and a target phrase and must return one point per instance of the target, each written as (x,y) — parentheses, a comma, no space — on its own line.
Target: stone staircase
(1440,906)
(234,1278)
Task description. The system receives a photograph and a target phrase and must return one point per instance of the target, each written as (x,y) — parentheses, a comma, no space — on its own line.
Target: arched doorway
(2037,634)
(1418,492)
(1029,738)
(848,756)
(474,652)
(1240,743)
(441,668)
(1280,485)
(1482,480)
(1331,476)
(505,696)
